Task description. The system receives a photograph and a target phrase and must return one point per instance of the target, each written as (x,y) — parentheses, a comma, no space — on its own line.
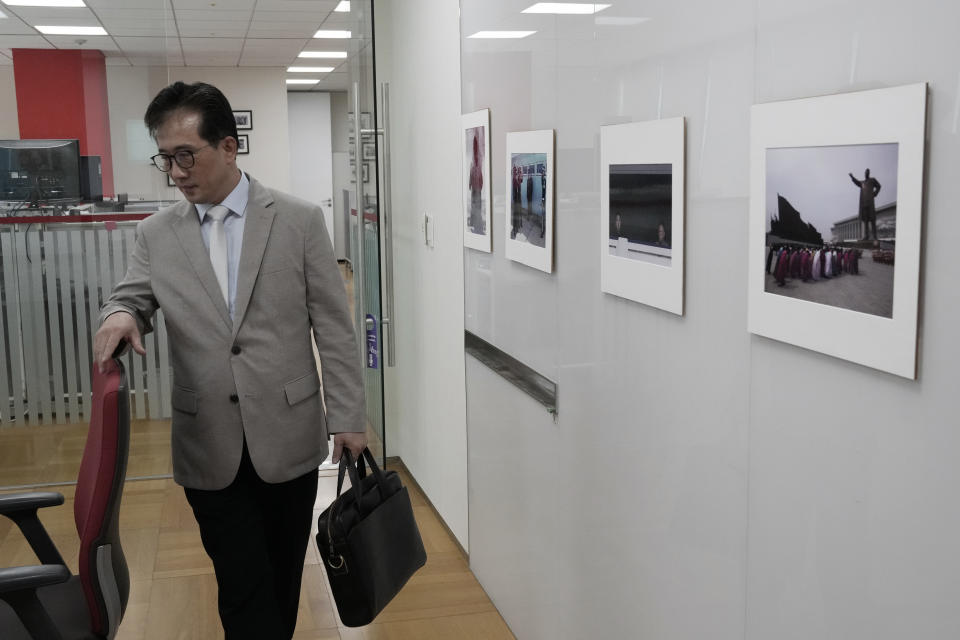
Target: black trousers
(256,534)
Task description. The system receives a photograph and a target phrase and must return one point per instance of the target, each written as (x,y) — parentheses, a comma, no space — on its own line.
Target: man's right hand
(117,326)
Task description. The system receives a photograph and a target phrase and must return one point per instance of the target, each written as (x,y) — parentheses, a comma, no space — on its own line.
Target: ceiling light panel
(327,33)
(566,8)
(309,69)
(44,3)
(52,30)
(502,34)
(323,54)
(343,6)
(303,80)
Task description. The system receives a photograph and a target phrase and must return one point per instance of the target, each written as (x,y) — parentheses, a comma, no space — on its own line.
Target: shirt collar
(236,201)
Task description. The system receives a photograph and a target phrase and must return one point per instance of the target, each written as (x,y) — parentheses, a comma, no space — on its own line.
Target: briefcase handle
(356,473)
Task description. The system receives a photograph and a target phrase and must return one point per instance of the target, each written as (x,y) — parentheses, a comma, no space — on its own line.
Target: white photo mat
(895,115)
(479,241)
(531,142)
(657,142)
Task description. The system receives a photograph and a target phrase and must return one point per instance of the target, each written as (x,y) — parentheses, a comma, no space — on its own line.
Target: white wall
(341,169)
(311,152)
(261,90)
(9,123)
(700,482)
(128,94)
(425,398)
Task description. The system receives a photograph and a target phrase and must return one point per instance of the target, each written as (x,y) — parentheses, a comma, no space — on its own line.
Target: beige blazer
(256,376)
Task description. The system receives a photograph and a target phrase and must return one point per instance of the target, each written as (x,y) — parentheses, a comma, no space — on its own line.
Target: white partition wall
(700,482)
(424,393)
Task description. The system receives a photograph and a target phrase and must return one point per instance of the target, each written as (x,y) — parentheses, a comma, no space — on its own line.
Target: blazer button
(234,398)
(235,349)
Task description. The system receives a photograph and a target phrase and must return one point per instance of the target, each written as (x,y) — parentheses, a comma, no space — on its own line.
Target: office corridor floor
(173,590)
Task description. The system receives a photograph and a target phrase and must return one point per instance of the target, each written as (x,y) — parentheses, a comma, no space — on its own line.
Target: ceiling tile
(298,30)
(103,43)
(12,25)
(212,45)
(202,5)
(149,46)
(210,60)
(212,29)
(156,61)
(56,15)
(220,15)
(119,61)
(298,5)
(157,28)
(273,46)
(314,17)
(24,42)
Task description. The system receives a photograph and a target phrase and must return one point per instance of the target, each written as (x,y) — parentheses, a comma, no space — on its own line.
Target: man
(869,188)
(249,427)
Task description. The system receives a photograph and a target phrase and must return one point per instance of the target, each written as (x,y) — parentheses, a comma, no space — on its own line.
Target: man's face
(214,173)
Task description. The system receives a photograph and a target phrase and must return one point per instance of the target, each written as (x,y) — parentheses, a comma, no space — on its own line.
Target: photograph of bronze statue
(828,243)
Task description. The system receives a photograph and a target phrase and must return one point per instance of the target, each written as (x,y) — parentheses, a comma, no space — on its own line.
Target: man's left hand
(355,442)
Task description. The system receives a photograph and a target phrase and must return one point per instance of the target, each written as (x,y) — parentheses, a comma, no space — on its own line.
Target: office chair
(46,602)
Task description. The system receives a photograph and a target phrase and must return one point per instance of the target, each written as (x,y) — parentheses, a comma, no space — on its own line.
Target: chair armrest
(18,588)
(13,502)
(22,509)
(31,578)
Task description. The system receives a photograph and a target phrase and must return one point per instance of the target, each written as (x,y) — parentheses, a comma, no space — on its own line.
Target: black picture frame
(243,144)
(244,119)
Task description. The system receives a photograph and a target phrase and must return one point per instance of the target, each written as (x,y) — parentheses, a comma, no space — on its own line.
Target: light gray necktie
(218,248)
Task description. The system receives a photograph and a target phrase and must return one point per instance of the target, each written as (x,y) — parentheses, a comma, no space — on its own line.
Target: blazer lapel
(256,231)
(187,229)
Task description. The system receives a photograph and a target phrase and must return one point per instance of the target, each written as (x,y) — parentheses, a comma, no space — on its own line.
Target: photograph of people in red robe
(831,225)
(476,178)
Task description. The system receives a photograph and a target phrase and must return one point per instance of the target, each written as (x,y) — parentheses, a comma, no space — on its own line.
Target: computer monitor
(39,172)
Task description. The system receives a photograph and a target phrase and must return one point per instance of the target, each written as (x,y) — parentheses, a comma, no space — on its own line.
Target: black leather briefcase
(369,540)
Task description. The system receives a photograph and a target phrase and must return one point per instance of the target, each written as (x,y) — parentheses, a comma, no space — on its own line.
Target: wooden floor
(173,592)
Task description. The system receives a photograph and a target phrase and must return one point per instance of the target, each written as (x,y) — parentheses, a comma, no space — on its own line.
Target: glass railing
(55,272)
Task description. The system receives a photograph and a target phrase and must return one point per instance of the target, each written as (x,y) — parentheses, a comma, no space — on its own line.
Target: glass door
(367,136)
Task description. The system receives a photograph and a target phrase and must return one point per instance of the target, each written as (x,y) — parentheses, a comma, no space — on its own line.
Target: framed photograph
(365,172)
(528,223)
(369,151)
(836,188)
(244,119)
(243,144)
(477,200)
(642,212)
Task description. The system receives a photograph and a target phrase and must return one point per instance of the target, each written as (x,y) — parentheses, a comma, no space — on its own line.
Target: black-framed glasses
(185,158)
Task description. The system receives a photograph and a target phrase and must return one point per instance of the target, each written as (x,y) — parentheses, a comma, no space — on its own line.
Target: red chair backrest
(96,507)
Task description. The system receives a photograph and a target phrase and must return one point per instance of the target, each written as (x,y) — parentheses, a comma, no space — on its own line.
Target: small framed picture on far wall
(244,119)
(243,144)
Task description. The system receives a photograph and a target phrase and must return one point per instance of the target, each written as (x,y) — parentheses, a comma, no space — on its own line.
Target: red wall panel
(62,93)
